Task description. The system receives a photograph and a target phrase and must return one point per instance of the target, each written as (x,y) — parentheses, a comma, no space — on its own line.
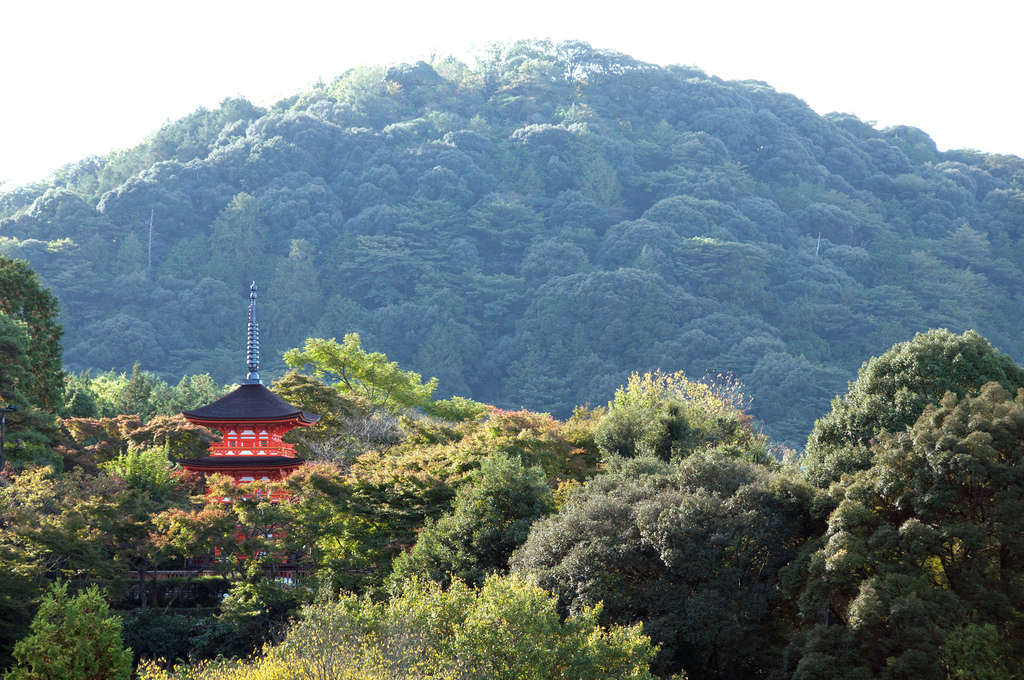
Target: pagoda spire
(252,353)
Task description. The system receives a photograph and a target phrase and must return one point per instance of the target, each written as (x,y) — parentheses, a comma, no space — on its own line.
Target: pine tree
(24,300)
(73,638)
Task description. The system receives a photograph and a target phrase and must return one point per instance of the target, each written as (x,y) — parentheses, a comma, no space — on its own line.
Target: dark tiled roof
(253,462)
(251,402)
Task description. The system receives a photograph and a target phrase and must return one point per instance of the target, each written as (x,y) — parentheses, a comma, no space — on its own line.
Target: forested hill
(530,231)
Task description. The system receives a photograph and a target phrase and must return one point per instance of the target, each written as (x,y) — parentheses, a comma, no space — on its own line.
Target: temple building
(252,420)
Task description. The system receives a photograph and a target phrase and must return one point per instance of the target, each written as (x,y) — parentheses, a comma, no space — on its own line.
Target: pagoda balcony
(273,449)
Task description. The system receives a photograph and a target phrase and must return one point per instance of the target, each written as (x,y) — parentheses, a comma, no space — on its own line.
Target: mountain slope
(532,230)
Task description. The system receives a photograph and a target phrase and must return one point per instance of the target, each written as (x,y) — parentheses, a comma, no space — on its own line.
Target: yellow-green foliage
(148,469)
(507,630)
(669,415)
(457,409)
(708,407)
(441,452)
(369,376)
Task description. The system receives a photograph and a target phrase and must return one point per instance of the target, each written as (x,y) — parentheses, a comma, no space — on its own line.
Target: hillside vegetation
(531,231)
(448,539)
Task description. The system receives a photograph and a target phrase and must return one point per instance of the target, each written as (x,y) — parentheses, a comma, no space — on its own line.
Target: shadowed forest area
(575,326)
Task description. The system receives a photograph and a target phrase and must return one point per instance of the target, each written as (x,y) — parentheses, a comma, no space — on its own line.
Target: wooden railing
(181,573)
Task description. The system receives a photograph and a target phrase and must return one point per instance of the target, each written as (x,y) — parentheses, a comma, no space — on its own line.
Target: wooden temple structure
(252,420)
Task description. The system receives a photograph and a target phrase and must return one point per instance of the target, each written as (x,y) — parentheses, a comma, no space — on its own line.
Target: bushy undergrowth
(506,630)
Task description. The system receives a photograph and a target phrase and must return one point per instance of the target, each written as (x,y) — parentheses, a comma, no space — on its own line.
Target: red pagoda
(252,420)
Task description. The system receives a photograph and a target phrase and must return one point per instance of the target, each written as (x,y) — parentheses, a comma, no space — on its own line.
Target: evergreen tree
(892,390)
(73,638)
(491,517)
(919,573)
(23,299)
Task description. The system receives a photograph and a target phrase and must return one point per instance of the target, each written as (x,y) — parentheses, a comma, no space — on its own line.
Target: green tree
(325,530)
(72,637)
(503,227)
(892,390)
(149,470)
(337,436)
(79,397)
(670,416)
(84,528)
(506,630)
(696,549)
(141,393)
(47,523)
(137,395)
(369,376)
(191,392)
(239,234)
(974,653)
(296,302)
(490,518)
(457,409)
(14,344)
(131,256)
(919,573)
(30,430)
(23,299)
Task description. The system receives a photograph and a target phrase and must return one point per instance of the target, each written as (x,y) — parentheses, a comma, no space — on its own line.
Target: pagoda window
(232,442)
(263,442)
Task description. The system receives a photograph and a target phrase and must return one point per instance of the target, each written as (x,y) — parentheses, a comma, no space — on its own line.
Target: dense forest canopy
(657,537)
(531,230)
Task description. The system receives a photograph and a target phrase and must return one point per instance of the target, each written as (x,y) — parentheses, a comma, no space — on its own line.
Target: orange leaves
(96,440)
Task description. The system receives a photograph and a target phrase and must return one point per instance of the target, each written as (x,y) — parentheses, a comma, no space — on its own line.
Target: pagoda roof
(251,403)
(246,462)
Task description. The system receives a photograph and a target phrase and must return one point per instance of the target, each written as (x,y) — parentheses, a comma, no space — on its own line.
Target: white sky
(85,77)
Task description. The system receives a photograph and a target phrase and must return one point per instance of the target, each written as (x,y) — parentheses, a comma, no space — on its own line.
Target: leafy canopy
(919,573)
(368,375)
(695,549)
(110,394)
(670,416)
(506,630)
(892,390)
(344,429)
(24,299)
(72,637)
(145,469)
(29,428)
(490,518)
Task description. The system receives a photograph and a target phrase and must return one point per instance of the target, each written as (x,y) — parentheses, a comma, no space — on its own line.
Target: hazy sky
(83,77)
